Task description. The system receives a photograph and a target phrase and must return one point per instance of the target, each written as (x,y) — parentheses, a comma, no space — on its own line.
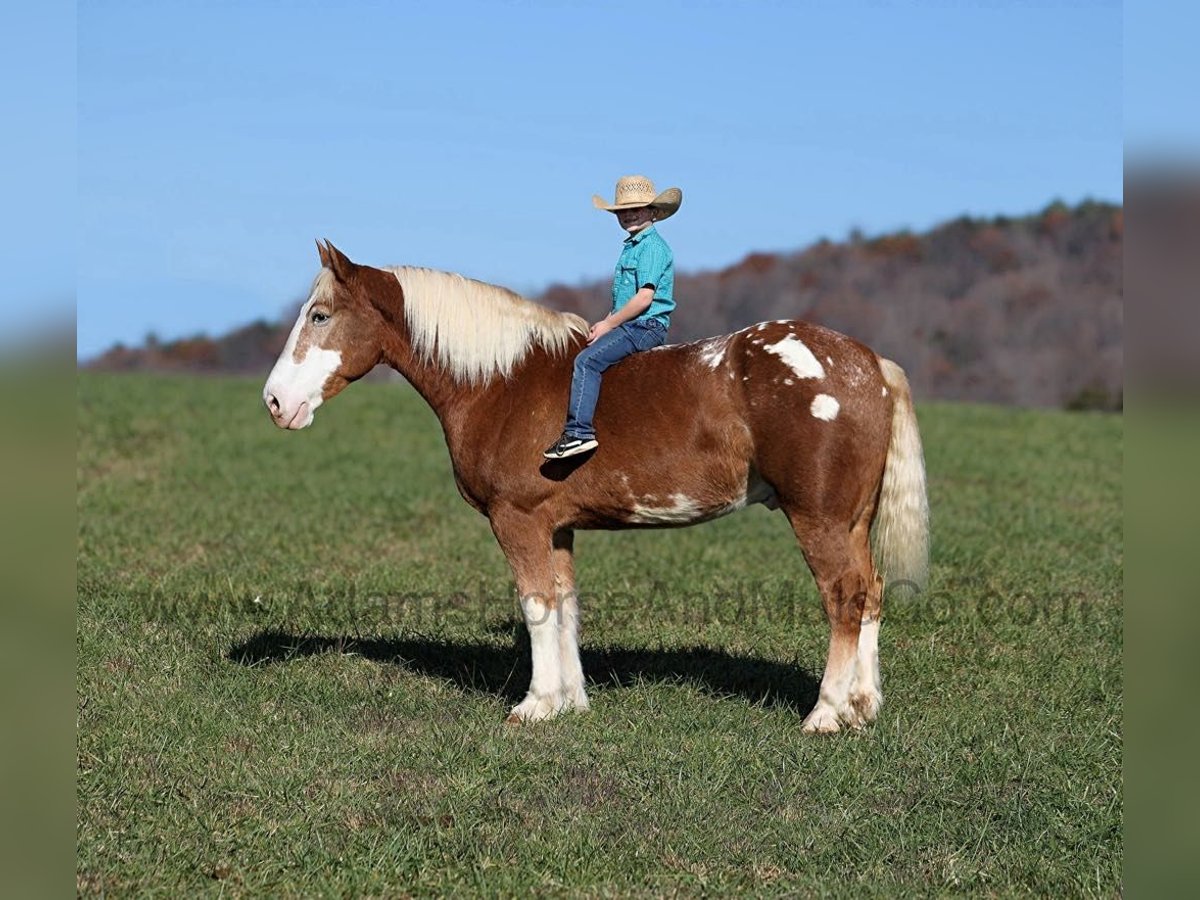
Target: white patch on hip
(799,358)
(825,407)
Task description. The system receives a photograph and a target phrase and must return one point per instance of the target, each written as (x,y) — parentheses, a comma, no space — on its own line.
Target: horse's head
(337,339)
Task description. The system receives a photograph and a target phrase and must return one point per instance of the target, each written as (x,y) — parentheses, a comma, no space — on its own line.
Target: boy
(642,300)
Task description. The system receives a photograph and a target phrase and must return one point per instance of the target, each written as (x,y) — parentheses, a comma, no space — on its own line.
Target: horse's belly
(679,506)
(678,509)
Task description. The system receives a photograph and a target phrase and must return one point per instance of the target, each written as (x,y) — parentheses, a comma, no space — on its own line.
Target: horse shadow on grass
(503,672)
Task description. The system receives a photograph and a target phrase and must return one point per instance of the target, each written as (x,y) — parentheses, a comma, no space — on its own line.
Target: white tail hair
(901,530)
(475,330)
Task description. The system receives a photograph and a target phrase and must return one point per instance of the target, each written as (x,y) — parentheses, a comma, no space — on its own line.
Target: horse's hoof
(862,708)
(822,720)
(535,709)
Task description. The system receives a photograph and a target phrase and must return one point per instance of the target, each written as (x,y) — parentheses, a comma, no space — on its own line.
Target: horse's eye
(319,318)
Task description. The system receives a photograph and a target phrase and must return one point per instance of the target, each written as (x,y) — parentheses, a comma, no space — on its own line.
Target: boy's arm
(635,307)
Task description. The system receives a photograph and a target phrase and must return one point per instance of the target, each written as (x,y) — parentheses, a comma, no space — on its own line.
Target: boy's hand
(601,328)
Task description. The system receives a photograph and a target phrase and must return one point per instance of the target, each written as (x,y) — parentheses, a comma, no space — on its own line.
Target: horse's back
(690,431)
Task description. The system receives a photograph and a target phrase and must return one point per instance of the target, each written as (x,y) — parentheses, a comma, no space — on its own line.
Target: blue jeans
(627,338)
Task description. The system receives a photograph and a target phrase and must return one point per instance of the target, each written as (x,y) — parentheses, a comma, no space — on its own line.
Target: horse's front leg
(526,542)
(563,561)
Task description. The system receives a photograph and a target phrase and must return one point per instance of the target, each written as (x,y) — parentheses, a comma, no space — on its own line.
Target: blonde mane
(475,330)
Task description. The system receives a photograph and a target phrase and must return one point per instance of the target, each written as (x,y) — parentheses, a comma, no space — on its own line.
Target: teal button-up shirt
(646,259)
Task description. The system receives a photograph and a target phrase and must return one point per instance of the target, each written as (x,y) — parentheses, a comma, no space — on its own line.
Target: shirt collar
(638,235)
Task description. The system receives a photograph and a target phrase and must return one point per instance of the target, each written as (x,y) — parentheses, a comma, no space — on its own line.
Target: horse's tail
(901,530)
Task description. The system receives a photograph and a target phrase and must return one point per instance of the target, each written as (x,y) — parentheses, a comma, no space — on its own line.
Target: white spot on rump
(825,407)
(884,394)
(796,354)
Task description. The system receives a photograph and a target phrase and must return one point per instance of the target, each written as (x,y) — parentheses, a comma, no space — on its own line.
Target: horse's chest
(470,494)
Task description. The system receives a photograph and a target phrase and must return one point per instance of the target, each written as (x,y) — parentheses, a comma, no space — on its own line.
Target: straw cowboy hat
(638,190)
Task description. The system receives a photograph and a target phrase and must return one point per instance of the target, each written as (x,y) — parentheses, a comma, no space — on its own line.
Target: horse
(785,413)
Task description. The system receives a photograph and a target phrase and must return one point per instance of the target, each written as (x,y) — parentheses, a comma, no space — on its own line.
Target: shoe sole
(574,451)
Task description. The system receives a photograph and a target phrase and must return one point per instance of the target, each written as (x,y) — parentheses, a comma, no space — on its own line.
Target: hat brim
(667,203)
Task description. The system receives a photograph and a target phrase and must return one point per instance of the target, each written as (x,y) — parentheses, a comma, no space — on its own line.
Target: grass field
(295,652)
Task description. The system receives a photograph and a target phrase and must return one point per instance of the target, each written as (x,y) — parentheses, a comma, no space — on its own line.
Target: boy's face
(634,220)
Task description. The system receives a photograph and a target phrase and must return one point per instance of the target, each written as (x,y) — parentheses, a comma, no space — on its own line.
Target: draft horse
(784,413)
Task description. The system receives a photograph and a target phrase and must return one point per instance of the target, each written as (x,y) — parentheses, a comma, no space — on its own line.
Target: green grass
(295,652)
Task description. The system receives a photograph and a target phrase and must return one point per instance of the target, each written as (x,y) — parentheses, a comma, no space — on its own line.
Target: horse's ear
(324,254)
(339,262)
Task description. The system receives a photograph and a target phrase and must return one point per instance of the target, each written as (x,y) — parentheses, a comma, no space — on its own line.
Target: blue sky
(216,141)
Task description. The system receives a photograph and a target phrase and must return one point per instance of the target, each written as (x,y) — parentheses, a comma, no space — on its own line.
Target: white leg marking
(574,695)
(545,688)
(866,694)
(833,701)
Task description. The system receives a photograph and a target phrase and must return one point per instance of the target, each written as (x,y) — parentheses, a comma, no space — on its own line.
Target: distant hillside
(1024,311)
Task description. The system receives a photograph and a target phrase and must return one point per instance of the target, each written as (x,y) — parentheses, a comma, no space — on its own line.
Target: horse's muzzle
(291,419)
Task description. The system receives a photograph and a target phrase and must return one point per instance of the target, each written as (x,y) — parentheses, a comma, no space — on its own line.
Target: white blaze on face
(825,407)
(297,388)
(799,358)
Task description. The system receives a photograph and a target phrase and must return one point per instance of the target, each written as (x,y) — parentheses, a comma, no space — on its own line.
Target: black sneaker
(569,445)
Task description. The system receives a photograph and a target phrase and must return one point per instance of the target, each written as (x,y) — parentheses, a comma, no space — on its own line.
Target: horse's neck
(457,402)
(438,387)
(459,405)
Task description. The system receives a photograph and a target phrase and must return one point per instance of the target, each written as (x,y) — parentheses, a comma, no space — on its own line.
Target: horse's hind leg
(570,667)
(840,560)
(866,693)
